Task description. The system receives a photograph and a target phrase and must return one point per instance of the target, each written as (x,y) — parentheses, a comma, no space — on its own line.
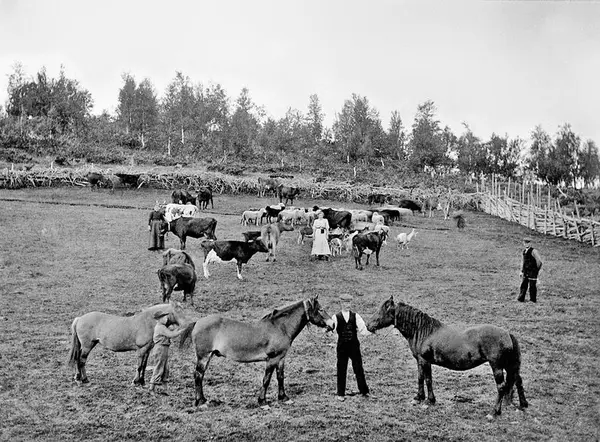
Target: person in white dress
(320,247)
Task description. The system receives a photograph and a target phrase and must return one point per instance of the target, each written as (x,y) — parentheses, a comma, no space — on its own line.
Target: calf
(367,243)
(336,246)
(174,256)
(238,251)
(304,232)
(192,227)
(177,277)
(270,236)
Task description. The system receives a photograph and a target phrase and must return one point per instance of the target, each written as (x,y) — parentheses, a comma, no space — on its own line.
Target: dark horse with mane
(266,340)
(433,342)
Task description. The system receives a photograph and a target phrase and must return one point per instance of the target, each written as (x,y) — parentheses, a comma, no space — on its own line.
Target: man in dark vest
(530,268)
(348,324)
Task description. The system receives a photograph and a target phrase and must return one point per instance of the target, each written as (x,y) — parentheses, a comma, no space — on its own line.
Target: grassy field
(68,251)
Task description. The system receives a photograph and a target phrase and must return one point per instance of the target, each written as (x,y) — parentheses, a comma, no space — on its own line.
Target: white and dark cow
(367,243)
(224,251)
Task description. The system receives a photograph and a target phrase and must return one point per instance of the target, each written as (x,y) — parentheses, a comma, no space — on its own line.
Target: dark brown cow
(174,256)
(409,204)
(287,192)
(95,179)
(337,218)
(193,227)
(177,277)
(205,195)
(182,196)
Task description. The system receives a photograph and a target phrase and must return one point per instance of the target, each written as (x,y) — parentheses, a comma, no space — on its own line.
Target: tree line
(195,121)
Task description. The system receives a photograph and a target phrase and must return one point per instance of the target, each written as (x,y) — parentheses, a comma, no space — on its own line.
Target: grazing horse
(266,340)
(433,342)
(118,333)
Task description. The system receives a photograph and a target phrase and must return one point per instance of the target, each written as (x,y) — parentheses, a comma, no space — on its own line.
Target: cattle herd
(359,232)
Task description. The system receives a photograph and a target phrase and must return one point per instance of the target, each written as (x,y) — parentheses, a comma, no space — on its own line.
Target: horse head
(385,317)
(316,315)
(178,315)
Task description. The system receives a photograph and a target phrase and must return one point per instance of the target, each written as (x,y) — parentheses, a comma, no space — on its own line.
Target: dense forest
(191,122)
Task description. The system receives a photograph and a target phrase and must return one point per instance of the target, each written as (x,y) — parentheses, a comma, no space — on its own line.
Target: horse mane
(415,322)
(281,312)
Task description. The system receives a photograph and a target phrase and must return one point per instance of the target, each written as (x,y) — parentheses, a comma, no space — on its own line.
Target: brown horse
(266,340)
(433,342)
(118,333)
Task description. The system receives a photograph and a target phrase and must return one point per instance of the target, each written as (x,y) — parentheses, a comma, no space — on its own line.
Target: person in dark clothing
(157,240)
(348,324)
(531,264)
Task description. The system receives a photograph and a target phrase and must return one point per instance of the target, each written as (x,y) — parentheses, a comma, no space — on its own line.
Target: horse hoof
(265,407)
(204,406)
(490,417)
(424,406)
(415,402)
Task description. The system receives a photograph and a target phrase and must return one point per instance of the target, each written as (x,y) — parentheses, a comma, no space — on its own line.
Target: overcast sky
(500,66)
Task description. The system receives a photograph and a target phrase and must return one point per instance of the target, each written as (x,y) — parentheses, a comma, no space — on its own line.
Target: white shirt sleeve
(361,326)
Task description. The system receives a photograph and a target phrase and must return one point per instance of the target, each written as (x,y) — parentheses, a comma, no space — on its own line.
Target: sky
(499,66)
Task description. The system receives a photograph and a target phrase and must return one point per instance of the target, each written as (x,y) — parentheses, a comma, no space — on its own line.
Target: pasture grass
(68,251)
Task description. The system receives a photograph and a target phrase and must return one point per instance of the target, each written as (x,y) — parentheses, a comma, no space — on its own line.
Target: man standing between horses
(530,268)
(162,340)
(348,324)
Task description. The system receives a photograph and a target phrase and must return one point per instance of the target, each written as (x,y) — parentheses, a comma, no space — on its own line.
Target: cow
(336,218)
(270,236)
(177,277)
(378,198)
(272,212)
(267,185)
(287,192)
(238,251)
(205,195)
(367,243)
(174,256)
(192,227)
(182,196)
(410,204)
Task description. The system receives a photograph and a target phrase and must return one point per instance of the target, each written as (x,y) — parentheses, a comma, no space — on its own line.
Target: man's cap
(345,297)
(160,314)
(527,239)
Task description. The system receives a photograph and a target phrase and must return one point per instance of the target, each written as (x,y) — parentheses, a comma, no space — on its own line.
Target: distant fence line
(549,218)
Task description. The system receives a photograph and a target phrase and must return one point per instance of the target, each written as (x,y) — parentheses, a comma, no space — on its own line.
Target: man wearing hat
(162,340)
(348,324)
(530,268)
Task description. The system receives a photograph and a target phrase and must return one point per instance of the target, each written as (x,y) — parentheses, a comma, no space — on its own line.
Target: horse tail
(75,354)
(185,335)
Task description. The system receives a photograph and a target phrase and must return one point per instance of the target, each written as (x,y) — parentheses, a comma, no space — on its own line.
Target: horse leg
(143,354)
(280,377)
(502,385)
(420,383)
(429,382)
(81,372)
(262,394)
(201,367)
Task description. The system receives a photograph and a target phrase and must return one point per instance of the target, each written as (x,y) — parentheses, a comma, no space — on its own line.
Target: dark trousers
(350,351)
(531,283)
